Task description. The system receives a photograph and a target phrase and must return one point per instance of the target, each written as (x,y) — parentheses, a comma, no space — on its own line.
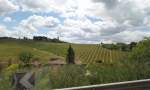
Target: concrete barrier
(128,85)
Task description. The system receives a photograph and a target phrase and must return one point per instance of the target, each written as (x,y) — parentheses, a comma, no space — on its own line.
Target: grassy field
(11,50)
(86,53)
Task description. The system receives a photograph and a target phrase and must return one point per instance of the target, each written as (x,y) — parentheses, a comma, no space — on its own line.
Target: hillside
(86,53)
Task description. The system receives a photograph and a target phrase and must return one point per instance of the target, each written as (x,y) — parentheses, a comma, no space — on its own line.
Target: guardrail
(128,85)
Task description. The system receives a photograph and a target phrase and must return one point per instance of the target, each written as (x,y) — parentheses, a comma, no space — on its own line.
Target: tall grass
(74,75)
(108,73)
(61,77)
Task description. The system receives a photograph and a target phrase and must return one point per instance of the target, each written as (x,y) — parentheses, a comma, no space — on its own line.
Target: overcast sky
(78,21)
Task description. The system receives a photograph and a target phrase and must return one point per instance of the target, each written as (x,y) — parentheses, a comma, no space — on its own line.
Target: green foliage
(60,77)
(132,45)
(25,57)
(70,56)
(73,75)
(9,62)
(120,46)
(6,77)
(9,70)
(43,38)
(141,53)
(5,83)
(68,76)
(1,68)
(42,81)
(109,73)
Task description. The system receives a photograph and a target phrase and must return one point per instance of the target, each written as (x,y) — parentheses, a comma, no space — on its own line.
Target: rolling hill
(86,53)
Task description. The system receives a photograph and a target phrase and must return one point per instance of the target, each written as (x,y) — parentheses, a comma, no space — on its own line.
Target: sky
(76,21)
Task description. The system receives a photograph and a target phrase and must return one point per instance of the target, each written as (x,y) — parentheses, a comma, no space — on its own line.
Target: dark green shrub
(9,62)
(70,56)
(141,53)
(25,57)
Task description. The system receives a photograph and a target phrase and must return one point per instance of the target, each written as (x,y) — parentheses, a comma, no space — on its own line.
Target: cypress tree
(70,56)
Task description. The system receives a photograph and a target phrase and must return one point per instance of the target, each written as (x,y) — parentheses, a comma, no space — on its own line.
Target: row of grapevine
(95,53)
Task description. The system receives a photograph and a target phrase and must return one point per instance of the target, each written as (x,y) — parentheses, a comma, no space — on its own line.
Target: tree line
(44,38)
(120,46)
(35,38)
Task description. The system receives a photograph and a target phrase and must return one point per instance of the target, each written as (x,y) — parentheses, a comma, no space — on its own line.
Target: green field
(86,53)
(103,65)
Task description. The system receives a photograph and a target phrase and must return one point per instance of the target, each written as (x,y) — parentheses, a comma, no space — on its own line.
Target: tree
(140,57)
(70,56)
(1,68)
(141,53)
(132,45)
(9,62)
(40,38)
(25,57)
(25,38)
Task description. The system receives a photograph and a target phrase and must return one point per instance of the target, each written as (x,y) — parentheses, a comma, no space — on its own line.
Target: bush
(5,79)
(25,57)
(102,73)
(9,62)
(140,58)
(141,53)
(61,77)
(68,76)
(12,68)
(1,68)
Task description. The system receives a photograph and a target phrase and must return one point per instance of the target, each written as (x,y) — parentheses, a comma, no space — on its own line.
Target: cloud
(7,6)
(3,31)
(31,25)
(83,30)
(7,19)
(86,31)
(130,17)
(130,36)
(67,8)
(41,6)
(109,3)
(84,21)
(34,22)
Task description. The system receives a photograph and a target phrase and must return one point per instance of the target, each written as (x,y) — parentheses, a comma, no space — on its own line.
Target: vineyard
(85,53)
(91,54)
